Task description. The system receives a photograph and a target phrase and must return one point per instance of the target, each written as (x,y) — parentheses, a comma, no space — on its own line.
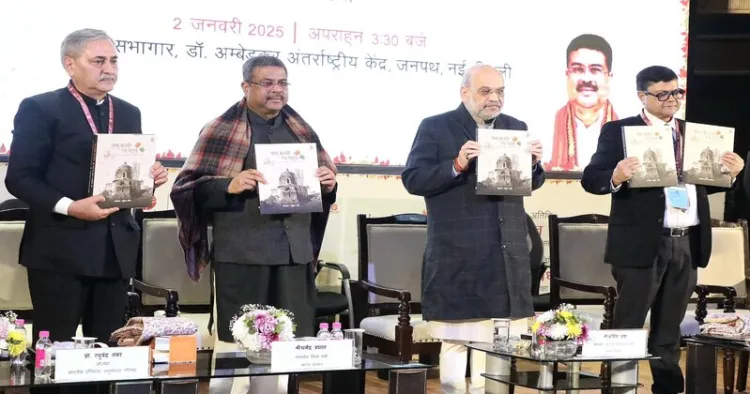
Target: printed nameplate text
(320,354)
(627,343)
(117,363)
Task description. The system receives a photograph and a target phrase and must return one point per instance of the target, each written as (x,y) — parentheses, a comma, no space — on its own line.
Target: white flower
(242,335)
(558,331)
(287,333)
(546,316)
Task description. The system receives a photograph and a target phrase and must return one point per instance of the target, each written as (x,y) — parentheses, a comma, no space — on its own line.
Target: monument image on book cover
(707,169)
(291,194)
(505,176)
(504,167)
(127,185)
(292,186)
(653,146)
(704,147)
(120,169)
(654,168)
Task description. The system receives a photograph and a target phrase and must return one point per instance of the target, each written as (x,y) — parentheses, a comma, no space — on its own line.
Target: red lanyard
(86,111)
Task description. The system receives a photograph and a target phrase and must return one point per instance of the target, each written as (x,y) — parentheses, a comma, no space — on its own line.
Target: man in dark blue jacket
(477,256)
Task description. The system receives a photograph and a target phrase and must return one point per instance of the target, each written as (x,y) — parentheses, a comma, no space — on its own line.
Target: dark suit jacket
(477,256)
(637,214)
(50,158)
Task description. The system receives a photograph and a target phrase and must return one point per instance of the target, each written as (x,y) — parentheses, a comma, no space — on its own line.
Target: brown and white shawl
(223,145)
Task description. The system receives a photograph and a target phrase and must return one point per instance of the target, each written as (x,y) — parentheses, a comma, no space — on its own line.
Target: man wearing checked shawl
(255,259)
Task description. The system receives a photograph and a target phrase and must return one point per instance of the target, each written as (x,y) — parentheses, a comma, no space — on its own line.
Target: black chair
(538,266)
(331,303)
(13,203)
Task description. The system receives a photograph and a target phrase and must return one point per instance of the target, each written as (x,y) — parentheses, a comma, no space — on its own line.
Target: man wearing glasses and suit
(657,237)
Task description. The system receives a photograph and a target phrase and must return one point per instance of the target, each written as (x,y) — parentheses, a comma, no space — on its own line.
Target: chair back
(729,261)
(163,261)
(536,254)
(14,291)
(577,246)
(391,253)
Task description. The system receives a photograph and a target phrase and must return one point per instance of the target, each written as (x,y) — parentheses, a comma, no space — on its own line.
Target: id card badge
(678,197)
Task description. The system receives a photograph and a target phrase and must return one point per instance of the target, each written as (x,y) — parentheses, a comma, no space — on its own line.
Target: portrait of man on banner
(578,122)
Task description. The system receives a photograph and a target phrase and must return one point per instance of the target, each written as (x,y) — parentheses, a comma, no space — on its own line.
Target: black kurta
(259,259)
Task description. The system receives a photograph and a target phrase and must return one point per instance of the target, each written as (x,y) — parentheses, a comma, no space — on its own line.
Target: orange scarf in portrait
(564,152)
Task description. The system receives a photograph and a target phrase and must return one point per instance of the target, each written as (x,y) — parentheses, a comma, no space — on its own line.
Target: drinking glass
(86,343)
(355,334)
(501,333)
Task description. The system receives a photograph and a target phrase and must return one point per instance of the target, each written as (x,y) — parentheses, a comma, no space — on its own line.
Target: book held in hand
(292,185)
(121,170)
(504,162)
(704,146)
(654,147)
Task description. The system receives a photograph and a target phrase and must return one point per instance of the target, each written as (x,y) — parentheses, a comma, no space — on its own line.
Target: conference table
(183,378)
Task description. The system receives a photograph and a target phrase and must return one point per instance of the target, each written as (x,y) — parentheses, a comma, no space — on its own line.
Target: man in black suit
(476,264)
(657,237)
(78,255)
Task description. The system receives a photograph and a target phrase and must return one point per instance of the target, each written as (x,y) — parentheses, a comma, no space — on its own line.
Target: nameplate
(117,363)
(629,343)
(318,354)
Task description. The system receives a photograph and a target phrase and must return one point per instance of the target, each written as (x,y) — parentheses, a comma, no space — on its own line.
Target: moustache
(587,86)
(107,78)
(276,97)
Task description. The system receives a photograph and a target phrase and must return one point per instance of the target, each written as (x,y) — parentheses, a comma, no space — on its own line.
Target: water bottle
(21,327)
(43,359)
(323,332)
(336,333)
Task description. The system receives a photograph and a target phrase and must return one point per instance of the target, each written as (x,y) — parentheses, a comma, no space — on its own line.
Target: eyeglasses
(500,92)
(268,84)
(664,96)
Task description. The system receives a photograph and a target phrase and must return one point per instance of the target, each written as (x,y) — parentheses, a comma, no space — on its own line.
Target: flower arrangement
(7,322)
(561,324)
(256,327)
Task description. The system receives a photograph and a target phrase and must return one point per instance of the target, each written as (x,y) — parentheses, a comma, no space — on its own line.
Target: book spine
(92,171)
(625,154)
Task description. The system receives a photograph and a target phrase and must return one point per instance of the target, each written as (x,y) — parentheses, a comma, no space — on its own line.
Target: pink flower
(265,323)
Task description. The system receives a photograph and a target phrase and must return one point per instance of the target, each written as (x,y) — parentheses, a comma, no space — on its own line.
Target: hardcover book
(654,147)
(121,170)
(504,164)
(704,146)
(292,185)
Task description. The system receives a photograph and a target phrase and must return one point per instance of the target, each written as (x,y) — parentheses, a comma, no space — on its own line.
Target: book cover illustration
(504,162)
(704,146)
(121,170)
(292,185)
(654,147)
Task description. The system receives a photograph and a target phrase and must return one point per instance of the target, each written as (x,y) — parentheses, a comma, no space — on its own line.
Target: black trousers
(290,287)
(62,301)
(665,288)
